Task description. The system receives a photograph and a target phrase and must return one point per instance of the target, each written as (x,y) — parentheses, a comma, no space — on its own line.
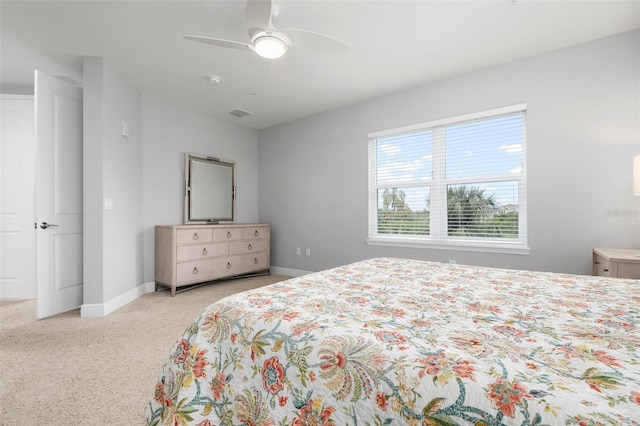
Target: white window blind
(455,182)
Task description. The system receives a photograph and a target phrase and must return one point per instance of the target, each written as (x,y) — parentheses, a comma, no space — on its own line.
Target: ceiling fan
(270,42)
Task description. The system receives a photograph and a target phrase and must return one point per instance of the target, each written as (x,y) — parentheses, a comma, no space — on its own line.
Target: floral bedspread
(396,341)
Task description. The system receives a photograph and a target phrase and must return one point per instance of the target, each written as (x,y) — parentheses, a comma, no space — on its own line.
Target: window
(455,183)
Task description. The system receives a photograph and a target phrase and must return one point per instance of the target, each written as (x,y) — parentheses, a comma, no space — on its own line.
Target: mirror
(209,190)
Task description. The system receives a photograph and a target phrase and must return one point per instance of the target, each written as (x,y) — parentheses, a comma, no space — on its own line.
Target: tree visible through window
(396,217)
(458,181)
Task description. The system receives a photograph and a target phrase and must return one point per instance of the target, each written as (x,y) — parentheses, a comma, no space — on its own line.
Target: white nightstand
(616,263)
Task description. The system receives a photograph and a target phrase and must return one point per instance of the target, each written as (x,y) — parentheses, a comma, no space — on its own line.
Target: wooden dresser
(616,263)
(192,254)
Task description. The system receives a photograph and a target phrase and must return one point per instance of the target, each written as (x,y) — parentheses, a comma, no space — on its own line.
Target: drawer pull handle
(195,271)
(228,234)
(250,248)
(256,233)
(255,261)
(606,270)
(228,265)
(597,263)
(195,236)
(204,252)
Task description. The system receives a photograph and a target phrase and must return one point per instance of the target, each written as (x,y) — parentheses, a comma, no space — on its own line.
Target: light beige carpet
(68,370)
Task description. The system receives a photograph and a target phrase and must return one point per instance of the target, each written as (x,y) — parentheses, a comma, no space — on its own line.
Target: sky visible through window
(488,150)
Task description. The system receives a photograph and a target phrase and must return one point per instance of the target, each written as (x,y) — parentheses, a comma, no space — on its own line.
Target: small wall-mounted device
(124,129)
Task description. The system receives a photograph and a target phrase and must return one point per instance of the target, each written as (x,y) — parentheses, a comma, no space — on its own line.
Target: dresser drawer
(194,236)
(255,261)
(602,266)
(227,266)
(248,247)
(201,251)
(256,233)
(628,270)
(200,270)
(227,234)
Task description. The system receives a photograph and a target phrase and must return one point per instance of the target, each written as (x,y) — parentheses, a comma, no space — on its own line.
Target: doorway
(17,198)
(41,208)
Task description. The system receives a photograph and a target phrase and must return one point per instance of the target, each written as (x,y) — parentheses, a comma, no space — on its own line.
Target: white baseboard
(277,270)
(97,310)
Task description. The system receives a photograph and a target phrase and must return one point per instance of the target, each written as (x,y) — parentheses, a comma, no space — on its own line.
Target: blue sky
(480,149)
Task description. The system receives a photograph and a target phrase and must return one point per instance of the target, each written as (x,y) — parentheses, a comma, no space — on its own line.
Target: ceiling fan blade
(315,41)
(257,15)
(219,42)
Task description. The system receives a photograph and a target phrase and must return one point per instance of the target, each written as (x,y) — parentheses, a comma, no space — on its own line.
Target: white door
(17,200)
(58,117)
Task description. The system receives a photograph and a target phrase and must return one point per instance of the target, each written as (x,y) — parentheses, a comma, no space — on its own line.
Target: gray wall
(171,131)
(112,169)
(143,175)
(583,127)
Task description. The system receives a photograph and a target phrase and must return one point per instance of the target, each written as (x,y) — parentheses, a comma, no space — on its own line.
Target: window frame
(438,190)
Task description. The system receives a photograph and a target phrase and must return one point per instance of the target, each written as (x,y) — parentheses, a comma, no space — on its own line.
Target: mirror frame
(190,192)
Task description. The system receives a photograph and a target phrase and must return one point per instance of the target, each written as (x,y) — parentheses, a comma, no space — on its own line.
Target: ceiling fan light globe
(270,47)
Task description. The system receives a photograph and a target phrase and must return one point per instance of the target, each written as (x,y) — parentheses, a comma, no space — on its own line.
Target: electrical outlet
(452,261)
(297,251)
(308,252)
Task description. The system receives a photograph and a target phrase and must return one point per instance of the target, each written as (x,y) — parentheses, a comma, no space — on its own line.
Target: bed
(395,341)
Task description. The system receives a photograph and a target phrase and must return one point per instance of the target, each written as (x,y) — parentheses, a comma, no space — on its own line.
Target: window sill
(480,246)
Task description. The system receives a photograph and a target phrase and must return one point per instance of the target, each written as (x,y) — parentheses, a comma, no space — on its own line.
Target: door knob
(45,225)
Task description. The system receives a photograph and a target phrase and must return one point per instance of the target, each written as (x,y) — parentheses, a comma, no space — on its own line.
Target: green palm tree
(394,198)
(395,211)
(468,211)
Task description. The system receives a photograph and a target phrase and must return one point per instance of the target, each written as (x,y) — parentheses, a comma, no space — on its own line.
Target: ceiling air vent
(69,80)
(239,113)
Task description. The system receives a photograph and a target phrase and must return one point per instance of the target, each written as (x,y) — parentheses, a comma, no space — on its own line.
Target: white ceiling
(395,45)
